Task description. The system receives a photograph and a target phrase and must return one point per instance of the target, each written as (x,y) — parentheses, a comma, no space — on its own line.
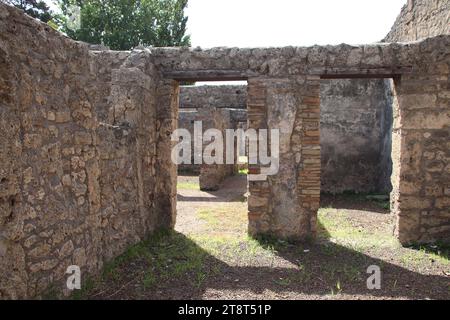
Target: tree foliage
(37,9)
(124,24)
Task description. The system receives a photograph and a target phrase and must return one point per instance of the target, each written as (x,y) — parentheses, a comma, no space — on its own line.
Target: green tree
(124,24)
(37,9)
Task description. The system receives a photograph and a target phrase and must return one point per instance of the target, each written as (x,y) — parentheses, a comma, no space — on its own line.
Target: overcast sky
(255,23)
(266,23)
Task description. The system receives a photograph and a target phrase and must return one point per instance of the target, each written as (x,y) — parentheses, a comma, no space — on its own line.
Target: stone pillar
(421,157)
(212,175)
(166,170)
(286,204)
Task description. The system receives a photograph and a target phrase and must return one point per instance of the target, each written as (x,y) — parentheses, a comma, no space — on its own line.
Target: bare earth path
(210,256)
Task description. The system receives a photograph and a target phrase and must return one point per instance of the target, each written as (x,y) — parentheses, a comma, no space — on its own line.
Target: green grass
(88,285)
(188,186)
(192,260)
(209,217)
(380,200)
(243,172)
(226,218)
(167,255)
(334,225)
(241,247)
(420,255)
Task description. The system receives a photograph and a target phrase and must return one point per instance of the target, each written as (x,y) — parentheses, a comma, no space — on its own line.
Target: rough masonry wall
(421,19)
(421,148)
(285,205)
(356,121)
(212,175)
(217,107)
(61,205)
(206,96)
(422,130)
(186,121)
(419,66)
(78,141)
(356,146)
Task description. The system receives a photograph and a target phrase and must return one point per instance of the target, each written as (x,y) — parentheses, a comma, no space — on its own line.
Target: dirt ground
(210,256)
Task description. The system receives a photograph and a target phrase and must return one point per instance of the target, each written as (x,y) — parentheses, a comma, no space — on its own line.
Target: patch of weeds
(231,249)
(330,249)
(271,242)
(243,172)
(351,273)
(438,252)
(425,254)
(149,279)
(381,200)
(301,276)
(200,278)
(335,226)
(208,216)
(86,288)
(176,257)
(283,281)
(188,186)
(230,217)
(111,269)
(51,293)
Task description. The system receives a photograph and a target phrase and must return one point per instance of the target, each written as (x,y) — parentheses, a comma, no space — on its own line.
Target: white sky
(263,23)
(273,23)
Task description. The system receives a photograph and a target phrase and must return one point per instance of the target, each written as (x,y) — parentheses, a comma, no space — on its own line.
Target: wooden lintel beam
(364,73)
(196,106)
(323,72)
(206,75)
(360,76)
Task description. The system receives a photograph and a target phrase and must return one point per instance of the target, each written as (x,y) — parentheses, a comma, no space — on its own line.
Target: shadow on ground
(355,202)
(220,263)
(175,267)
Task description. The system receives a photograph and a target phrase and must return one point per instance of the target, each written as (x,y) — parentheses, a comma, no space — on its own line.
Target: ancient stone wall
(421,19)
(421,150)
(86,141)
(217,107)
(356,118)
(356,147)
(212,96)
(356,121)
(421,197)
(186,119)
(193,99)
(212,175)
(428,61)
(78,161)
(285,204)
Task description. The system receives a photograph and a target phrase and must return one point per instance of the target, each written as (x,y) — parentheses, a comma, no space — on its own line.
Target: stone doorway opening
(356,163)
(211,192)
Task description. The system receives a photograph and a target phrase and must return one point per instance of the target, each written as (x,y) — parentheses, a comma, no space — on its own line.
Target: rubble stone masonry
(356,124)
(85,167)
